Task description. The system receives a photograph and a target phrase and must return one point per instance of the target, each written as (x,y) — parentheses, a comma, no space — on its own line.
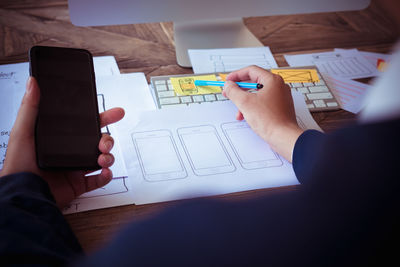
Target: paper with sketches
(230,59)
(349,93)
(348,64)
(297,75)
(13,79)
(183,153)
(372,57)
(185,85)
(131,92)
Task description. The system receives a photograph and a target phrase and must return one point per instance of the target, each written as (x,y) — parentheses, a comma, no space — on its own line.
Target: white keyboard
(317,95)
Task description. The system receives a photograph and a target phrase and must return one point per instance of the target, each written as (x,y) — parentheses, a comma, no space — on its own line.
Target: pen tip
(259,86)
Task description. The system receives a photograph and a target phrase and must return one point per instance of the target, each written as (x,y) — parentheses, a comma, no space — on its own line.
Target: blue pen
(218,83)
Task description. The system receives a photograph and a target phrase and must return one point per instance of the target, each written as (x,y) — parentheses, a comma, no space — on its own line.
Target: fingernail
(109,145)
(109,159)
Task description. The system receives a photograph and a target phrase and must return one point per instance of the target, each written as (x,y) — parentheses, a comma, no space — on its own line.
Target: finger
(97,181)
(106,143)
(105,160)
(24,125)
(238,96)
(111,116)
(251,73)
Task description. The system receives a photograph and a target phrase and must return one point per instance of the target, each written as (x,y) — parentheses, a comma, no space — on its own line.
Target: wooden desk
(149,48)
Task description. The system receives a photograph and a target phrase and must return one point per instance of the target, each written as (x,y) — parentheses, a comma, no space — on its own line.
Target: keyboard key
(186,99)
(174,105)
(303,90)
(210,97)
(198,98)
(319,96)
(170,87)
(318,89)
(321,82)
(221,97)
(169,100)
(308,84)
(319,103)
(332,104)
(159,82)
(161,87)
(166,94)
(311,105)
(297,85)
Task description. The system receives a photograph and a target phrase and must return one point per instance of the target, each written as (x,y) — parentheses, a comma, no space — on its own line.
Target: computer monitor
(200,23)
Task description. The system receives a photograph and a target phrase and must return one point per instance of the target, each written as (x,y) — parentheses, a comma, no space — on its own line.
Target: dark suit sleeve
(32,228)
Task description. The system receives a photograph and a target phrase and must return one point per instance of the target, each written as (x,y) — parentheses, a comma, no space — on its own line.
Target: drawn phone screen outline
(161,176)
(248,165)
(212,170)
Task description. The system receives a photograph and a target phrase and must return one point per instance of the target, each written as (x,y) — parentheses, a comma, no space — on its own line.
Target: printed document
(349,64)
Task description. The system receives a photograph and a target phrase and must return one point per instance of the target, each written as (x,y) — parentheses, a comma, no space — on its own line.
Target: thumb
(238,96)
(24,125)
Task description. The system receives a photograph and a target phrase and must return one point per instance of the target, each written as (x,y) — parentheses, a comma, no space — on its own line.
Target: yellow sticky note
(185,85)
(223,76)
(297,75)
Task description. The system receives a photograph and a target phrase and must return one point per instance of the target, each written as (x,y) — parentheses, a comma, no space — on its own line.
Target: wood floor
(149,48)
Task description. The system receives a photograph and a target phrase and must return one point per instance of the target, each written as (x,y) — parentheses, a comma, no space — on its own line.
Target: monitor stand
(212,33)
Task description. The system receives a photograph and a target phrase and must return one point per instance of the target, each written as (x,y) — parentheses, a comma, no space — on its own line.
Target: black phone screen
(68,127)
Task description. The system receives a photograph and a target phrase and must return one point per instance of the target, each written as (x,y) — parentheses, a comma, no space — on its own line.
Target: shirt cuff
(305,153)
(24,183)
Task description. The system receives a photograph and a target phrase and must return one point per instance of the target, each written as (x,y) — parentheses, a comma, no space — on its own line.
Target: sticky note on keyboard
(297,75)
(223,76)
(185,85)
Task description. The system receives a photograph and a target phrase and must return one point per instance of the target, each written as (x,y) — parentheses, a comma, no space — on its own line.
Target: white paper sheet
(349,64)
(105,65)
(349,93)
(230,59)
(200,151)
(131,92)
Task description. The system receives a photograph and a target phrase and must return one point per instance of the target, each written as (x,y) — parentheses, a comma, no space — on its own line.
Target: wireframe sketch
(338,65)
(187,86)
(116,186)
(158,156)
(293,76)
(226,63)
(205,150)
(251,151)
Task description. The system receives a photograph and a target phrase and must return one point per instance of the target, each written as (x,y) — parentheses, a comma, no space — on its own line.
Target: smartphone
(158,156)
(206,152)
(251,150)
(67,131)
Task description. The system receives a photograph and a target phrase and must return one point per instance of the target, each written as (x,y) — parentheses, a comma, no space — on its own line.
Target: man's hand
(21,155)
(269,112)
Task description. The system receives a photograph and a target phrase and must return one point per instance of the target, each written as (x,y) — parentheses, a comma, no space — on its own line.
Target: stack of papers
(339,67)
